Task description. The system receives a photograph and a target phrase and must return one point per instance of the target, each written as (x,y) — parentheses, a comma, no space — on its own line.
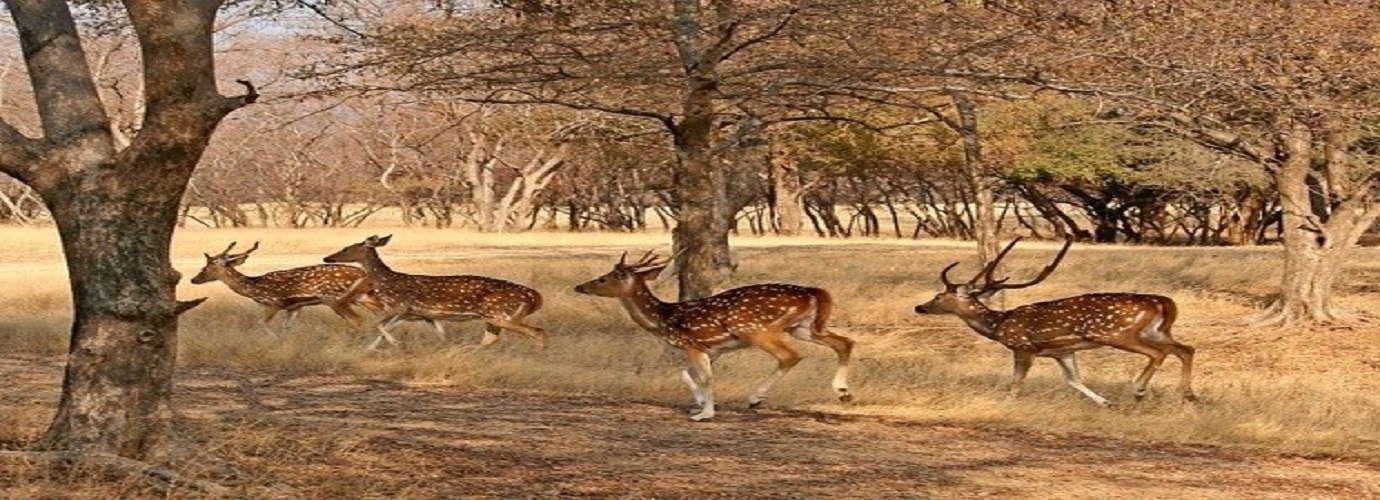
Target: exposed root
(1273,315)
(161,478)
(1277,315)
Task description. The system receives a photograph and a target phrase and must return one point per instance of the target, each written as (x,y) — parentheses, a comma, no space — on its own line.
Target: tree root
(1277,315)
(1272,315)
(161,478)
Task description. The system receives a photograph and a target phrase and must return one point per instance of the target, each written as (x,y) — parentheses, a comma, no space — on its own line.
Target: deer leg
(382,326)
(1185,355)
(344,310)
(694,389)
(440,328)
(269,313)
(288,318)
(1020,366)
(1156,356)
(843,346)
(536,334)
(702,373)
(786,358)
(491,332)
(1069,363)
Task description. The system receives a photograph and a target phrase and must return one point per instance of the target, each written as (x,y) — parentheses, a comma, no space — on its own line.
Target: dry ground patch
(1285,412)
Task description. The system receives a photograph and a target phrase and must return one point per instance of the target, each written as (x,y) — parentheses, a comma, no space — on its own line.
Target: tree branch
(18,154)
(68,103)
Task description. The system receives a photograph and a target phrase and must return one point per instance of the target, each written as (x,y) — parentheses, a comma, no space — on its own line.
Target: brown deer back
(457,295)
(1096,317)
(327,281)
(719,318)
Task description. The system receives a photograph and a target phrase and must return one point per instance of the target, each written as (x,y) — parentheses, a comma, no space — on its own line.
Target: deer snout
(926,308)
(200,279)
(582,288)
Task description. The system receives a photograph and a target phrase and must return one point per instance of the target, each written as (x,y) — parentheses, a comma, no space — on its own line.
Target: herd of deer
(761,316)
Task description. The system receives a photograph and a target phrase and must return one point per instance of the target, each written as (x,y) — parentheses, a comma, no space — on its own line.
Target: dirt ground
(323,437)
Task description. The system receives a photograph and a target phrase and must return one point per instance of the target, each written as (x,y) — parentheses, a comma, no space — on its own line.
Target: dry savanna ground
(1285,413)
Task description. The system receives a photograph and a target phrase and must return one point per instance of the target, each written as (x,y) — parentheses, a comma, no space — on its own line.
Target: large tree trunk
(117,391)
(1316,237)
(115,212)
(702,224)
(787,195)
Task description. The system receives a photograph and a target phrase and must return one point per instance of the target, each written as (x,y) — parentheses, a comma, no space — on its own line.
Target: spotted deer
(1058,329)
(417,297)
(339,287)
(751,316)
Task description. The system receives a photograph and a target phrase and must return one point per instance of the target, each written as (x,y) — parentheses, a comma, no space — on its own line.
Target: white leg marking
(694,390)
(1070,366)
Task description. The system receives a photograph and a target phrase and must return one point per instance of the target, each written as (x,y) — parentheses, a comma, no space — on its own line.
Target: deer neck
(241,283)
(374,267)
(645,309)
(983,319)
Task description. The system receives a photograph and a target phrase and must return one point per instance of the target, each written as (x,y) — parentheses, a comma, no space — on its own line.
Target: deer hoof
(701,417)
(845,398)
(1190,397)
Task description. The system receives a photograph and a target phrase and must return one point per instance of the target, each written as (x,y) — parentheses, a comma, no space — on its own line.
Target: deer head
(218,266)
(625,279)
(358,252)
(964,299)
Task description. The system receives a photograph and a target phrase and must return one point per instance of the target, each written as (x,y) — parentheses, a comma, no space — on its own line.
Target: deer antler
(986,273)
(246,252)
(648,260)
(991,285)
(225,252)
(944,277)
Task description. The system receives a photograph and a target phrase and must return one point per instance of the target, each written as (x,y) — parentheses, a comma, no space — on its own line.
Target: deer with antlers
(751,316)
(337,286)
(1058,329)
(416,297)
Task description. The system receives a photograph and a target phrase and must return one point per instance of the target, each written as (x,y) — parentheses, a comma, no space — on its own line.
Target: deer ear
(377,241)
(237,260)
(652,273)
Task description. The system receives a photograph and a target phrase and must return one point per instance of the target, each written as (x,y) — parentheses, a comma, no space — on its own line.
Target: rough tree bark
(1316,236)
(702,224)
(701,234)
(788,195)
(985,220)
(115,210)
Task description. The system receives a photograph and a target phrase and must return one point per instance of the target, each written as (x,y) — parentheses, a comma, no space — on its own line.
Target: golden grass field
(1284,412)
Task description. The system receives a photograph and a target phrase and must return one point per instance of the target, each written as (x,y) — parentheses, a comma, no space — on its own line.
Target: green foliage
(1062,141)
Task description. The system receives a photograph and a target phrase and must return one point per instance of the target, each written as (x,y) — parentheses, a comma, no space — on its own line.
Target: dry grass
(1300,391)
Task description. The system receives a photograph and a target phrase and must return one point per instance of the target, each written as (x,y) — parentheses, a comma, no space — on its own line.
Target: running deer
(416,297)
(752,316)
(339,287)
(1132,322)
